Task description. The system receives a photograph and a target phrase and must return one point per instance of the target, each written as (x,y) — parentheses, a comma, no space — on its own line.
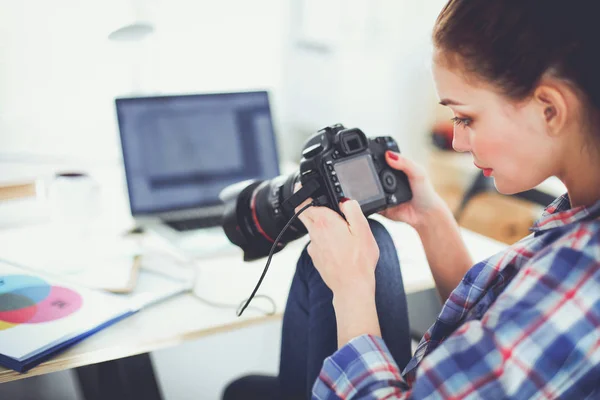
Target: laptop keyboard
(195,223)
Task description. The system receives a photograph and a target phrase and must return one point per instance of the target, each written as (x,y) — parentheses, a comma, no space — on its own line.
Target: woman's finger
(409,167)
(305,217)
(325,224)
(354,215)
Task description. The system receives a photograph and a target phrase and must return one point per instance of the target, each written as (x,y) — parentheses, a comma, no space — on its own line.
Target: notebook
(40,316)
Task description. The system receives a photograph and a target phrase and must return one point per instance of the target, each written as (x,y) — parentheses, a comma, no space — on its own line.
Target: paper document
(100,260)
(38,313)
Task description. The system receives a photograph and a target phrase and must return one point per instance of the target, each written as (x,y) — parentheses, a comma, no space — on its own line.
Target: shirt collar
(559,213)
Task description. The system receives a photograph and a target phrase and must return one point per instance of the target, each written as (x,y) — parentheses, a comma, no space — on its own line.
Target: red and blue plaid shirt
(524,323)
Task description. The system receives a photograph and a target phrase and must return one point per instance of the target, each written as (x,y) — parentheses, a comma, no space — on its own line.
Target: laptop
(180,151)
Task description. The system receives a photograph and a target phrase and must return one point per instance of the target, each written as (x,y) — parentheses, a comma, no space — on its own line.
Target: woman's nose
(460,141)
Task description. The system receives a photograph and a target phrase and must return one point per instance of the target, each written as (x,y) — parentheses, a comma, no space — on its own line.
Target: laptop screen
(180,151)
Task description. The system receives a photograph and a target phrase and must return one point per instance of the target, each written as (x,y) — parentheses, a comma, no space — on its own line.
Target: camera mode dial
(312,151)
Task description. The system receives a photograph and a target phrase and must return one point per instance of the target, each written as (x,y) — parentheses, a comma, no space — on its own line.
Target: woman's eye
(464,121)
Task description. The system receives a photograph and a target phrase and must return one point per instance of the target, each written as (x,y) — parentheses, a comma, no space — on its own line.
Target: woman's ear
(553,104)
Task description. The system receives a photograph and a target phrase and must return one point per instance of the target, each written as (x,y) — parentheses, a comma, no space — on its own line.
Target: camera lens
(254,216)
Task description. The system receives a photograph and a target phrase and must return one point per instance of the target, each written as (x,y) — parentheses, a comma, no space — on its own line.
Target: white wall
(56,77)
(369,68)
(59,74)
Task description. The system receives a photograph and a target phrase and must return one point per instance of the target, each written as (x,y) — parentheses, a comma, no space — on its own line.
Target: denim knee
(388,265)
(387,249)
(305,267)
(381,235)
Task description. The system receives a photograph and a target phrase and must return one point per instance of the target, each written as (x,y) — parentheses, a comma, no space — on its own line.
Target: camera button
(330,167)
(334,178)
(338,189)
(389,181)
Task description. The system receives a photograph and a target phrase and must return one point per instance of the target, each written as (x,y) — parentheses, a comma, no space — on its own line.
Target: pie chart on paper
(28,299)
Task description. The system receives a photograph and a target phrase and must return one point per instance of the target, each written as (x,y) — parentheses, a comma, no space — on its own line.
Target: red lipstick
(487,172)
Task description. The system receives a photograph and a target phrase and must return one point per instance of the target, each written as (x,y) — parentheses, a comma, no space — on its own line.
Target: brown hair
(513,43)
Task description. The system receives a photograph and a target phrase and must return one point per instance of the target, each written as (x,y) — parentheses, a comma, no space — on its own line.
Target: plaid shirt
(524,323)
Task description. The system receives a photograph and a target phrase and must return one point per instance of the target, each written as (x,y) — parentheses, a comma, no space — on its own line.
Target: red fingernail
(344,199)
(392,155)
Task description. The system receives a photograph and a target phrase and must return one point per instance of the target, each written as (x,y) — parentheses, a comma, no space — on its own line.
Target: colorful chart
(27,299)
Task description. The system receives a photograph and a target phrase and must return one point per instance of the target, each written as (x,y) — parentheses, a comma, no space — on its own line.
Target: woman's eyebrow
(449,102)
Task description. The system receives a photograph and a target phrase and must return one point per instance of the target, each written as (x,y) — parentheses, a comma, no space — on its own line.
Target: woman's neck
(581,176)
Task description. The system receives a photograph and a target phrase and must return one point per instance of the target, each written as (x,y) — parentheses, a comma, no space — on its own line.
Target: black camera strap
(290,204)
(245,303)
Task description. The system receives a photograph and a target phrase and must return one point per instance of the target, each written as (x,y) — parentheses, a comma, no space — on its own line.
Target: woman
(522,78)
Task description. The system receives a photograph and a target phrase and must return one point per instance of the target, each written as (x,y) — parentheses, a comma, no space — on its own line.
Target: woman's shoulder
(560,258)
(555,256)
(581,238)
(565,270)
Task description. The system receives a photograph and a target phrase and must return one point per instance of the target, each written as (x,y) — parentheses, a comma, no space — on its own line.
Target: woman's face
(508,141)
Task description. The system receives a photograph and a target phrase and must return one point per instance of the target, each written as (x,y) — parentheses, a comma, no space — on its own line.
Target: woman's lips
(487,172)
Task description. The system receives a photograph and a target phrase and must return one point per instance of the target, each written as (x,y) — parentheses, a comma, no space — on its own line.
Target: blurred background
(363,63)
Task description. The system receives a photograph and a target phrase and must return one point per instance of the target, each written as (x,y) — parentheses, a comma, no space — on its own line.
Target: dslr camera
(336,163)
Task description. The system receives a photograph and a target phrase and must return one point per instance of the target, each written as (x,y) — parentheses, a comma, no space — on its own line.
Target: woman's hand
(344,251)
(425,199)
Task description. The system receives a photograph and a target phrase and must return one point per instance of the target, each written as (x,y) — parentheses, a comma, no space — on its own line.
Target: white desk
(222,280)
(227,280)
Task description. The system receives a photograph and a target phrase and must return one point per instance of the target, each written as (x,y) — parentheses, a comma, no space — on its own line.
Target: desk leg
(124,379)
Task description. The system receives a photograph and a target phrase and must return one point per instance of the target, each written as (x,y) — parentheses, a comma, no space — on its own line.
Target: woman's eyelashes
(461,121)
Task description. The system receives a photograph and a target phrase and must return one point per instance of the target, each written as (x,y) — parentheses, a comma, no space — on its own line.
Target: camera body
(336,163)
(345,163)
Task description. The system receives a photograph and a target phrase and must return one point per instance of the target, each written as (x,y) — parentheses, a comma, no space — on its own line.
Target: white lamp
(131,28)
(135,31)
(130,24)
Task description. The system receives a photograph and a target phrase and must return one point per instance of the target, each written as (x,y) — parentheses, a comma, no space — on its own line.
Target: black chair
(482,184)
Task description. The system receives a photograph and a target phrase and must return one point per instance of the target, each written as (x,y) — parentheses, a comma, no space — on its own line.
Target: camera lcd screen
(359,179)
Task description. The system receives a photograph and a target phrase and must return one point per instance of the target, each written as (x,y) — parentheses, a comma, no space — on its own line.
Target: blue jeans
(309,333)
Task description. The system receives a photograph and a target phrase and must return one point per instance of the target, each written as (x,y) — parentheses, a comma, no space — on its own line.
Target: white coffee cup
(74,200)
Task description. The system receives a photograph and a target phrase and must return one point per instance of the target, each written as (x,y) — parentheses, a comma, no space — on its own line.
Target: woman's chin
(509,188)
(503,187)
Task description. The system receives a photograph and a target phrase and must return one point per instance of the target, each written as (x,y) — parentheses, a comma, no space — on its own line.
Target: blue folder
(41,316)
(27,364)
